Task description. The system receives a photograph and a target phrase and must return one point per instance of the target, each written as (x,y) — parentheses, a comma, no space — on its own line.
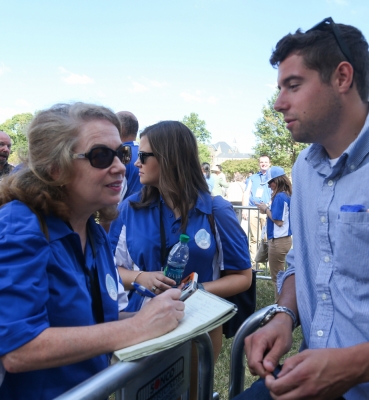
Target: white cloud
(158,84)
(198,97)
(4,69)
(74,79)
(22,103)
(212,100)
(138,88)
(190,98)
(273,86)
(6,113)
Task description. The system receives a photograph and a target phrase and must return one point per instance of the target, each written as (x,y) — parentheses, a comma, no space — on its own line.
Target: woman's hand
(155,281)
(262,207)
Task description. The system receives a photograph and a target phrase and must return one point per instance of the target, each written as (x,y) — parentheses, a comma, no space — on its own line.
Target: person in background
(323,77)
(205,167)
(224,179)
(278,221)
(128,136)
(59,286)
(256,192)
(5,148)
(220,183)
(250,173)
(235,193)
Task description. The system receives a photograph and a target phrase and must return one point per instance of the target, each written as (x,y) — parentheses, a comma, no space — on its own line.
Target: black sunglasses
(102,157)
(337,34)
(142,155)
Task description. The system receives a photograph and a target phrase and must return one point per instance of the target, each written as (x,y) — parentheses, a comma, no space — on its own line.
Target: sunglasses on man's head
(103,157)
(142,155)
(337,34)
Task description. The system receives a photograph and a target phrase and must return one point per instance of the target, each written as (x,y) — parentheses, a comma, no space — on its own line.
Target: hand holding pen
(142,290)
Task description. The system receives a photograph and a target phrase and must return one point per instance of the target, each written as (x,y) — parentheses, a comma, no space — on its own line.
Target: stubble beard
(322,124)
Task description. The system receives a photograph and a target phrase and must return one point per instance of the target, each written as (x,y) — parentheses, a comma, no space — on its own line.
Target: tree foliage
(274,139)
(16,128)
(198,127)
(204,153)
(242,166)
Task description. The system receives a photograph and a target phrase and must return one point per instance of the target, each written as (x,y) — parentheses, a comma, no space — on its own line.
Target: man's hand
(266,346)
(319,374)
(245,215)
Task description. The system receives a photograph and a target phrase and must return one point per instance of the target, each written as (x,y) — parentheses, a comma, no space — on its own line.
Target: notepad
(204,312)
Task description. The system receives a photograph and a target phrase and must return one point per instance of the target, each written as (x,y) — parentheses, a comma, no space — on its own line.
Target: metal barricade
(165,375)
(238,359)
(262,274)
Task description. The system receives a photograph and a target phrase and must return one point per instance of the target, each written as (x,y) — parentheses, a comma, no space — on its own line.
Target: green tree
(274,139)
(197,127)
(16,127)
(204,153)
(242,166)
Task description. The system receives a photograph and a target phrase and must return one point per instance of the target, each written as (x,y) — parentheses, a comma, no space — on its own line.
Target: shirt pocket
(352,245)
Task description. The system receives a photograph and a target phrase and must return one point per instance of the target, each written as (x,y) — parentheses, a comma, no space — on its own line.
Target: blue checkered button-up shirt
(330,255)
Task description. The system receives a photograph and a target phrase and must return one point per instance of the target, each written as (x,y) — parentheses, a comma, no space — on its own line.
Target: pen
(142,290)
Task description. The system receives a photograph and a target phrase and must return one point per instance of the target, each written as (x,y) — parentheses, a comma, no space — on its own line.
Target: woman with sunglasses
(175,200)
(59,318)
(278,221)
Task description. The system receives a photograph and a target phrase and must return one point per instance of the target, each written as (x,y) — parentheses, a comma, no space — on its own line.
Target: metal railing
(126,378)
(262,273)
(238,358)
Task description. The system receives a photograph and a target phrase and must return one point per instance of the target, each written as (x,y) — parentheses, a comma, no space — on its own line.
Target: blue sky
(160,59)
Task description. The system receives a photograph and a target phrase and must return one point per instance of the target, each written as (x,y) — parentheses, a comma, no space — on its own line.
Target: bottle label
(174,273)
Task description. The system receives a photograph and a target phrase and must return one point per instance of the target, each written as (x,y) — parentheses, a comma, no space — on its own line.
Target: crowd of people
(65,279)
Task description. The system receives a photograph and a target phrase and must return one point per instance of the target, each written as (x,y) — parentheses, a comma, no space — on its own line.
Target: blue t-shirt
(42,285)
(133,179)
(135,237)
(280,210)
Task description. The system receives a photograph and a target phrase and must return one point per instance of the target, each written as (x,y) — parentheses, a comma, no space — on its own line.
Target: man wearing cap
(220,181)
(5,147)
(256,192)
(323,77)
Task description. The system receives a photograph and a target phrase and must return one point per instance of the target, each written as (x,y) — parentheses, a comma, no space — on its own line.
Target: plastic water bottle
(177,259)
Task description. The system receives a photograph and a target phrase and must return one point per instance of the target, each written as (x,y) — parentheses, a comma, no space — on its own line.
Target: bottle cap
(184,238)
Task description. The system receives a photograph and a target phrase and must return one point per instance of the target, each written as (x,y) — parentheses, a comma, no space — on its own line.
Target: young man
(256,192)
(323,76)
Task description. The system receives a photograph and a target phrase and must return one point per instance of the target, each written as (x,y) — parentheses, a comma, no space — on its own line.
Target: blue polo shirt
(42,285)
(136,243)
(280,210)
(133,179)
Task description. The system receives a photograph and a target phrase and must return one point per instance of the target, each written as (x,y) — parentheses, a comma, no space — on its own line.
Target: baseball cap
(273,172)
(215,168)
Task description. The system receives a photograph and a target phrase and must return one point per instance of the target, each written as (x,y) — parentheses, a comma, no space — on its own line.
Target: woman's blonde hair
(52,136)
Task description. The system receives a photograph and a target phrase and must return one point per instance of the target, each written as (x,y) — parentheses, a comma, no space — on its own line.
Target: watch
(270,314)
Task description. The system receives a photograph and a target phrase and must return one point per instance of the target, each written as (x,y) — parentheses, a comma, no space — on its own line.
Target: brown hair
(283,184)
(181,177)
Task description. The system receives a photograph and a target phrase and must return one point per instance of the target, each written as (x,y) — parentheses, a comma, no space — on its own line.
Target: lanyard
(93,276)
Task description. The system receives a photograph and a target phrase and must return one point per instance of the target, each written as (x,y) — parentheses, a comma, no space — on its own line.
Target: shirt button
(171,215)
(330,183)
(320,333)
(352,167)
(322,219)
(174,230)
(324,296)
(326,259)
